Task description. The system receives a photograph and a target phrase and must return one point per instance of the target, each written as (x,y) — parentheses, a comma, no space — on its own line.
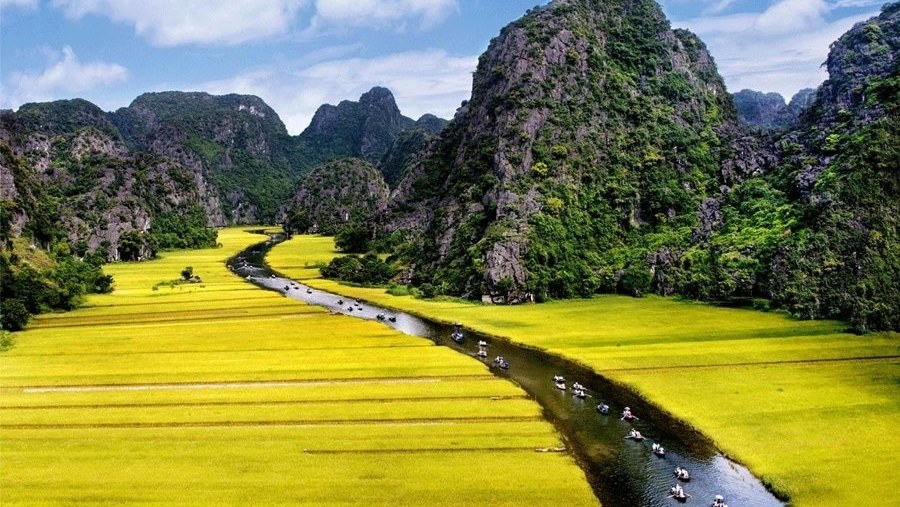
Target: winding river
(622,472)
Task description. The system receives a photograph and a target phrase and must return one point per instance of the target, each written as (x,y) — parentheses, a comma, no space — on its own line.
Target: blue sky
(299,54)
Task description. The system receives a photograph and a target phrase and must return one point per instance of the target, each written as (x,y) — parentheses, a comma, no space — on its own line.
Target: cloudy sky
(299,54)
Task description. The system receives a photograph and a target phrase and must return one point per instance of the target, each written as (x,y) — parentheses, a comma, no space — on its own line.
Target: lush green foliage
(52,283)
(369,270)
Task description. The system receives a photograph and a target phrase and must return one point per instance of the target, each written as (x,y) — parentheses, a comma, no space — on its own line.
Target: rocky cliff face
(67,174)
(841,172)
(590,123)
(337,193)
(364,129)
(768,111)
(236,147)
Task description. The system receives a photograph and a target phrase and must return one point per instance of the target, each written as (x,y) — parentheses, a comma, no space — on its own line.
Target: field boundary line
(268,423)
(758,363)
(273,402)
(36,389)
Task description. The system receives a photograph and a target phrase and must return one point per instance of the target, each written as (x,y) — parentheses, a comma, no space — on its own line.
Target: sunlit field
(810,409)
(219,393)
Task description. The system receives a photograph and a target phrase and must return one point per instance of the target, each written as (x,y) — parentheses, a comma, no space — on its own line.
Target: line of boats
(681,474)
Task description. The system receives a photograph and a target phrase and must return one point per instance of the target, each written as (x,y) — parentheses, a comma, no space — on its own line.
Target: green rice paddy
(220,393)
(810,409)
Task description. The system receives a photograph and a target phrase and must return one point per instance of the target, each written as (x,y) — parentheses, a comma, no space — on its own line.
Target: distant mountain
(236,142)
(364,129)
(768,111)
(172,163)
(336,193)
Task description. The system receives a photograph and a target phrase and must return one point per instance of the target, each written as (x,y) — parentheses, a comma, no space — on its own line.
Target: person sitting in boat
(482,343)
(677,491)
(627,413)
(719,501)
(635,434)
(558,378)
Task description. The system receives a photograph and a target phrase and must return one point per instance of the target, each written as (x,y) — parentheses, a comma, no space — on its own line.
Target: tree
(13,315)
(354,238)
(187,273)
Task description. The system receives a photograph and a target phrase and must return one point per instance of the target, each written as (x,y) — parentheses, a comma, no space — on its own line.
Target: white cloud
(177,22)
(216,22)
(357,13)
(780,49)
(24,4)
(63,78)
(787,16)
(429,81)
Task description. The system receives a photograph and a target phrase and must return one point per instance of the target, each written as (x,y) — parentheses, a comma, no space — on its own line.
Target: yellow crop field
(810,409)
(219,393)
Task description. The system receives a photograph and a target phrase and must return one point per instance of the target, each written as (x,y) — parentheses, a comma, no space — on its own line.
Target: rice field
(810,409)
(219,393)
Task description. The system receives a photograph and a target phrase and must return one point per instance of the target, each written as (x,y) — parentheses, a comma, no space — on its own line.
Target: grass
(219,393)
(810,409)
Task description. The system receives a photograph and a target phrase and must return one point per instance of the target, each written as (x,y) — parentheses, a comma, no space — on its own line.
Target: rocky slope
(592,126)
(337,193)
(67,175)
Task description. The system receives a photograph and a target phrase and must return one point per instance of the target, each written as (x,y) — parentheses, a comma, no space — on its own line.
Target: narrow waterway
(622,472)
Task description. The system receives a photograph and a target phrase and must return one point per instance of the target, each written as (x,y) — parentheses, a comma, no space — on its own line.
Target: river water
(622,472)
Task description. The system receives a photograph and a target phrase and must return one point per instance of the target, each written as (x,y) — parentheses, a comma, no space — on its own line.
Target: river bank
(808,408)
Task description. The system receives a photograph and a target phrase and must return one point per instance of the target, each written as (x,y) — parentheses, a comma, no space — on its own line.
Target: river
(622,472)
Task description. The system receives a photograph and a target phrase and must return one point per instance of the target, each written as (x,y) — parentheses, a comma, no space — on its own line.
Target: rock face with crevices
(590,124)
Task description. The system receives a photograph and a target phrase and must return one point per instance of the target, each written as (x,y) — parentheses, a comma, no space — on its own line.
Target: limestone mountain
(840,169)
(235,142)
(364,129)
(768,111)
(67,176)
(591,138)
(337,193)
(600,153)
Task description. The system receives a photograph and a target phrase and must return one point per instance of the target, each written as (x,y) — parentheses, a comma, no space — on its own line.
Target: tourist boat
(635,435)
(559,378)
(658,450)
(627,415)
(603,408)
(482,343)
(380,316)
(677,493)
(682,474)
(561,385)
(481,353)
(502,363)
(340,301)
(719,501)
(392,318)
(309,291)
(577,387)
(457,336)
(579,393)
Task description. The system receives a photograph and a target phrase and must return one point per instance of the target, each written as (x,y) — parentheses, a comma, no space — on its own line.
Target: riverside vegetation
(809,408)
(217,393)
